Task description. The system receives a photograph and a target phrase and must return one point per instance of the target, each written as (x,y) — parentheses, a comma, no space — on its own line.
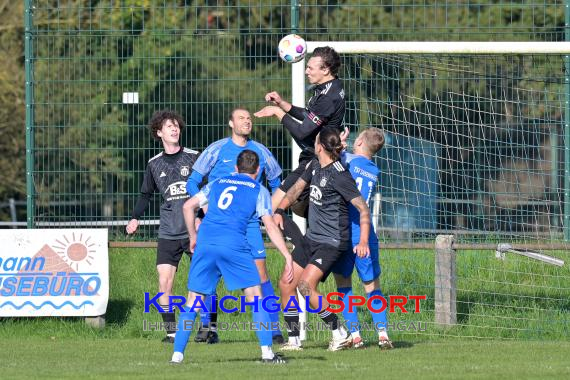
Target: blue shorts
(368,268)
(211,262)
(255,241)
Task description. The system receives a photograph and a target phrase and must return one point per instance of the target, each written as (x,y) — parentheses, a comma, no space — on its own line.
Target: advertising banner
(54,272)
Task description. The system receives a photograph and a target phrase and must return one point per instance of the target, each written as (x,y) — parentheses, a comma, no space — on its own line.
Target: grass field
(148,358)
(518,309)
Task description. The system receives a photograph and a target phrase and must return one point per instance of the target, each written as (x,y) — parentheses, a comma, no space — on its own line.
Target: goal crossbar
(437,47)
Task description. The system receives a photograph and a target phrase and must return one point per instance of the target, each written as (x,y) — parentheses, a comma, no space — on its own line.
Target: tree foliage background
(12,105)
(200,57)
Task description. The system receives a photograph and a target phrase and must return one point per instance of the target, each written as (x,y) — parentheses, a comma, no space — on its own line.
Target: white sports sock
(177,357)
(294,340)
(339,334)
(355,334)
(382,334)
(267,352)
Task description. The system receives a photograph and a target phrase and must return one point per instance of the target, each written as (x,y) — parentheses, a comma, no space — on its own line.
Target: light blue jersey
(365,174)
(219,160)
(232,202)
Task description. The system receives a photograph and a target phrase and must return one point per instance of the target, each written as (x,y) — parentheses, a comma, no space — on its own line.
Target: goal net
(477,146)
(476,137)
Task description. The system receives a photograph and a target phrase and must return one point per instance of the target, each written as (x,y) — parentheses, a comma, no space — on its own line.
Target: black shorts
(321,255)
(170,251)
(301,206)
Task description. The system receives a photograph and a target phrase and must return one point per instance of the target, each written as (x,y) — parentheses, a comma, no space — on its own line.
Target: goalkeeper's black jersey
(324,109)
(167,174)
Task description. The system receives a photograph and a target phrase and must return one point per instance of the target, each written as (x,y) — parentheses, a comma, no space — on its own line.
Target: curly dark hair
(330,57)
(159,117)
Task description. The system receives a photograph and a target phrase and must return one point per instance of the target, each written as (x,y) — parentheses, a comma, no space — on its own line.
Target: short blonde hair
(373,139)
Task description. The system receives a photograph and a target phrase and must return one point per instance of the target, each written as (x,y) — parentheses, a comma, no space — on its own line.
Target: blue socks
(266,291)
(380,320)
(187,319)
(205,317)
(262,319)
(351,318)
(184,329)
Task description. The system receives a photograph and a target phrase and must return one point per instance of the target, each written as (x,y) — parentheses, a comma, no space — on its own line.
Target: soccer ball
(292,48)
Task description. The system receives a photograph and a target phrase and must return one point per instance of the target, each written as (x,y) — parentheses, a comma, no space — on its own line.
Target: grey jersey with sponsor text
(331,188)
(167,174)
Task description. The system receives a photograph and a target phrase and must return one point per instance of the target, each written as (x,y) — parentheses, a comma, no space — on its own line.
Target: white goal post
(406,47)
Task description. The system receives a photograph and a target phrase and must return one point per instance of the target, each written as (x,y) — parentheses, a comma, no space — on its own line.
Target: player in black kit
(324,109)
(328,235)
(167,173)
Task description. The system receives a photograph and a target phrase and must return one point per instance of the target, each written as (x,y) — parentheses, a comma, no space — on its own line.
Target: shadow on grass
(289,359)
(118,311)
(402,344)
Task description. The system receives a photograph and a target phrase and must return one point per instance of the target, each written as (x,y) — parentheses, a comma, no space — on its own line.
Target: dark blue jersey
(331,190)
(325,108)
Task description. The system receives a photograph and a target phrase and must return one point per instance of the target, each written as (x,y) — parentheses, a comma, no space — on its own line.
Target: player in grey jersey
(332,188)
(167,173)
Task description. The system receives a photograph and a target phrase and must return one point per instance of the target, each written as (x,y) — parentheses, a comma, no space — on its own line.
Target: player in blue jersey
(365,173)
(219,160)
(221,249)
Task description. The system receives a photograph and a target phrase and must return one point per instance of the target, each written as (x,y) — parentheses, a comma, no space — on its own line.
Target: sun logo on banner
(75,251)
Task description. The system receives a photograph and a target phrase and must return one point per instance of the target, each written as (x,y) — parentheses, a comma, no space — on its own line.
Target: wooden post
(445,281)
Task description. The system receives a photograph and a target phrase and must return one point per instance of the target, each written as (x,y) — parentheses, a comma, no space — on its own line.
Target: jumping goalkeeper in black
(324,109)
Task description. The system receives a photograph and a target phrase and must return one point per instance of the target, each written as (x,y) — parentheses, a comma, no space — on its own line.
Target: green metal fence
(87,150)
(477,146)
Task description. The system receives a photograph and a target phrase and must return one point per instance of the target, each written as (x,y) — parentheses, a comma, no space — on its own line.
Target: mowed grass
(520,309)
(148,359)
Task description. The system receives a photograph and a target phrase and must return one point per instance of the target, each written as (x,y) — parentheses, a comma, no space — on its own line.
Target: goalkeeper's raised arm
(325,108)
